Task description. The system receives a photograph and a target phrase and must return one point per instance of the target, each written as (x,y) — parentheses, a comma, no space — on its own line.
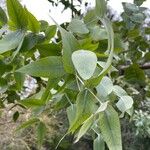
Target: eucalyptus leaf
(105,87)
(135,75)
(31,102)
(138,17)
(110,128)
(124,103)
(71,112)
(84,67)
(70,44)
(98,33)
(101,8)
(3,17)
(85,106)
(88,44)
(16,116)
(47,67)
(29,42)
(96,80)
(11,41)
(19,78)
(130,8)
(33,23)
(50,49)
(17,14)
(90,18)
(85,127)
(78,26)
(99,143)
(50,32)
(119,91)
(102,107)
(41,132)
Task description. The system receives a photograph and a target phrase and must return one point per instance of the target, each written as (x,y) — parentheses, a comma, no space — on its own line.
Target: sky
(42,9)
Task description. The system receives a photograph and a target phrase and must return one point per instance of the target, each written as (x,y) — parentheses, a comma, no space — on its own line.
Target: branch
(144,67)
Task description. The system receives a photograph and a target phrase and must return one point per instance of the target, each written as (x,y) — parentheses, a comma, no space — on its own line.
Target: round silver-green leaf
(85,63)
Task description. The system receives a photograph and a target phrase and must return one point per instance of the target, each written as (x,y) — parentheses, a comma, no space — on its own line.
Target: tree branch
(143,67)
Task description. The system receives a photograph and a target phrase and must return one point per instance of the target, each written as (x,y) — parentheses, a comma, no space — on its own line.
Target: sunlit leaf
(33,23)
(17,14)
(105,87)
(19,78)
(50,32)
(119,91)
(47,67)
(70,44)
(110,127)
(78,26)
(71,113)
(85,127)
(102,107)
(98,33)
(96,80)
(11,41)
(85,106)
(124,103)
(31,102)
(84,67)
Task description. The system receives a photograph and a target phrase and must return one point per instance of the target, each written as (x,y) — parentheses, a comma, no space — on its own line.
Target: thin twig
(68,99)
(95,96)
(78,83)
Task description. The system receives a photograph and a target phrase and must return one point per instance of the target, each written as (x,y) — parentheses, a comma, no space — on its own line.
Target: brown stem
(144,67)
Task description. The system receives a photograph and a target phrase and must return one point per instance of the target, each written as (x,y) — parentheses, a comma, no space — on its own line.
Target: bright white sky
(40,8)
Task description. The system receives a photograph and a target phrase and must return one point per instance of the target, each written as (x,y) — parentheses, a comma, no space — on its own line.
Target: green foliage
(84,108)
(11,41)
(138,2)
(70,44)
(46,67)
(17,15)
(32,103)
(135,75)
(91,71)
(50,32)
(110,128)
(33,23)
(78,26)
(100,8)
(124,103)
(105,87)
(85,127)
(41,132)
(3,17)
(99,143)
(84,67)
